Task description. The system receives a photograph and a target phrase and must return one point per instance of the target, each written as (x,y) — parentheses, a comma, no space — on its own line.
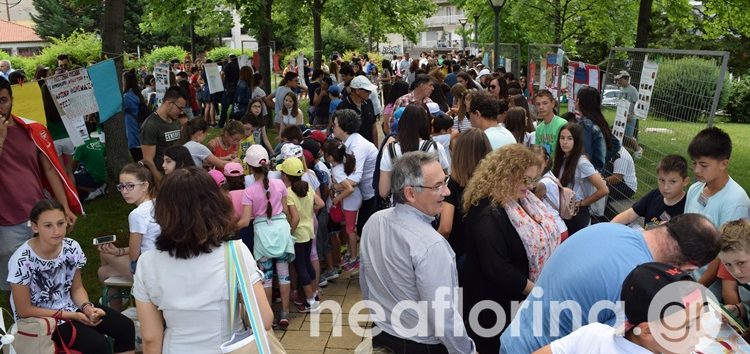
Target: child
(45,277)
(735,265)
(548,191)
(516,123)
(137,187)
(265,203)
(574,171)
(290,112)
(665,202)
(176,156)
(301,203)
(442,132)
(548,128)
(290,135)
(644,334)
(335,92)
(225,146)
(343,165)
(192,136)
(715,194)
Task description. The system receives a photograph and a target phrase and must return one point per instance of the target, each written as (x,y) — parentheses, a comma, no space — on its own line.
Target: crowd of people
(458,177)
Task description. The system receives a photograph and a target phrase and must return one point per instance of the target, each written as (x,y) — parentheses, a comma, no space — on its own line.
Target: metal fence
(508,57)
(683,100)
(538,57)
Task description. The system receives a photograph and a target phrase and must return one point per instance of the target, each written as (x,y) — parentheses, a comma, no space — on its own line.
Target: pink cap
(218,177)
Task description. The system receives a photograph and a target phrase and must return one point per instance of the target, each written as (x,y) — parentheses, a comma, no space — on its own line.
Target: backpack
(425,147)
(568,207)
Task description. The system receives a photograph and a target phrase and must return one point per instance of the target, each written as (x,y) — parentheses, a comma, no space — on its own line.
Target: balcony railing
(443,20)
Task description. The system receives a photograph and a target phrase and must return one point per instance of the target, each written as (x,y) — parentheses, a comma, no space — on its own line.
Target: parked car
(610,98)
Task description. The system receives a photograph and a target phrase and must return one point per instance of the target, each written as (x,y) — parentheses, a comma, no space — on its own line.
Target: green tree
(58,18)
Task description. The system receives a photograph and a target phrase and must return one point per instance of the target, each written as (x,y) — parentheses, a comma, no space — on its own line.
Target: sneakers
(352,265)
(283,320)
(323,282)
(329,275)
(309,307)
(298,300)
(96,193)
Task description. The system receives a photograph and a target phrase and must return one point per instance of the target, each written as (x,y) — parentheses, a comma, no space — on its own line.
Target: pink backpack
(568,207)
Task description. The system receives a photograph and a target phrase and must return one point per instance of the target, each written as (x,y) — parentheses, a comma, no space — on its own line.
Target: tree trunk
(264,46)
(644,24)
(317,9)
(114,129)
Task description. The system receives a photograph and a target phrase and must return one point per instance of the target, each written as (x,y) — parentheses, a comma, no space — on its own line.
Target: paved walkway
(298,338)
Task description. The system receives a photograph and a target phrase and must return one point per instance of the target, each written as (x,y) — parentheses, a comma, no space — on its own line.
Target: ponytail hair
(337,151)
(193,126)
(263,169)
(299,187)
(143,174)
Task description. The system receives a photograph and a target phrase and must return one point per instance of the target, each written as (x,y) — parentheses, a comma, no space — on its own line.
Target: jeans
(12,237)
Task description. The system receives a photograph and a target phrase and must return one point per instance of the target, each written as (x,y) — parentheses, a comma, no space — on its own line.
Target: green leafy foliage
(56,18)
(738,105)
(4,55)
(685,87)
(210,17)
(164,55)
(222,53)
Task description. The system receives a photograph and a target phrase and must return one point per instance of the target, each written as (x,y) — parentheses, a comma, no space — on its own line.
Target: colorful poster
(161,75)
(646,88)
(106,89)
(27,102)
(580,74)
(530,83)
(552,74)
(76,128)
(213,78)
(543,74)
(621,119)
(73,92)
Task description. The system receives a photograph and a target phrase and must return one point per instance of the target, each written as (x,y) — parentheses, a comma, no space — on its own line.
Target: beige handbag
(34,335)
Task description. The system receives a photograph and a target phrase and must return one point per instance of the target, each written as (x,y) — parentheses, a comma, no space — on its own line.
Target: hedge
(163,55)
(738,107)
(82,49)
(223,53)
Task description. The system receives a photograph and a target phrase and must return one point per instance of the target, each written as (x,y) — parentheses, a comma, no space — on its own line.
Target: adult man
(403,65)
(590,268)
(483,113)
(162,129)
(174,65)
(346,123)
(276,99)
(423,87)
(405,260)
(30,167)
(231,77)
(629,93)
(359,101)
(5,69)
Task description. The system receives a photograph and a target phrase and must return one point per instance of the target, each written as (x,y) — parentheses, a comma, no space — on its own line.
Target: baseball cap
(644,282)
(309,158)
(289,150)
(233,169)
(256,156)
(318,136)
(483,72)
(396,118)
(310,145)
(622,74)
(334,89)
(434,108)
(361,82)
(292,167)
(218,177)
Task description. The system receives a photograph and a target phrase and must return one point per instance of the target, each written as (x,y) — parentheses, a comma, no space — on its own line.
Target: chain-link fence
(546,67)
(509,56)
(679,92)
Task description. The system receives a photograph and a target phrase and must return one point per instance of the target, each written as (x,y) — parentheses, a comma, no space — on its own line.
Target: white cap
(483,72)
(361,82)
(622,74)
(256,156)
(433,108)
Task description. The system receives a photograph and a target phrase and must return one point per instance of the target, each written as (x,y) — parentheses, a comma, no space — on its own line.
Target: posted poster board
(621,119)
(106,88)
(161,75)
(213,78)
(76,128)
(530,80)
(646,88)
(543,74)
(552,73)
(73,92)
(580,74)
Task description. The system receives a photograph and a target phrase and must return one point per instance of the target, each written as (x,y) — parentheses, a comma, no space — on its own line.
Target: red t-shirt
(723,273)
(20,177)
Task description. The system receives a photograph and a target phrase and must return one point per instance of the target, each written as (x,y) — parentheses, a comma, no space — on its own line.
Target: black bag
(143,113)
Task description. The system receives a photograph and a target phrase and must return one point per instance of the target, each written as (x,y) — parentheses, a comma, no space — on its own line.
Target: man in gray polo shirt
(404,260)
(629,93)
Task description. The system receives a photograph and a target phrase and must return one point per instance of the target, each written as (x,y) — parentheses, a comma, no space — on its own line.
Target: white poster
(509,65)
(646,88)
(244,60)
(543,75)
(570,84)
(76,128)
(161,75)
(301,69)
(73,93)
(594,78)
(213,78)
(621,119)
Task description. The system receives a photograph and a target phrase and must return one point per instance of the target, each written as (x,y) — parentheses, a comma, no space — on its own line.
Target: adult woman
(290,112)
(498,87)
(597,135)
(440,89)
(45,279)
(574,170)
(411,72)
(509,234)
(524,86)
(413,135)
(196,219)
(398,89)
(132,103)
(386,77)
(465,79)
(471,147)
(460,110)
(334,67)
(244,92)
(516,122)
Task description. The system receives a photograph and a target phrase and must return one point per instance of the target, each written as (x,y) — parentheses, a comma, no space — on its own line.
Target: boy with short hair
(549,127)
(643,334)
(735,266)
(442,128)
(665,202)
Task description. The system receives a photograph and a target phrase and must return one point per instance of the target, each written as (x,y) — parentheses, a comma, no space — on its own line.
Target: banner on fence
(73,92)
(213,78)
(106,89)
(646,88)
(551,72)
(621,119)
(580,74)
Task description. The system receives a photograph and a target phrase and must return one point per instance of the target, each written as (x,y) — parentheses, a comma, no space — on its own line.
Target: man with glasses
(404,260)
(162,129)
(590,268)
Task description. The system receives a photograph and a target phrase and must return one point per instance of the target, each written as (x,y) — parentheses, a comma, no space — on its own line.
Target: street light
(462,22)
(476,31)
(497,5)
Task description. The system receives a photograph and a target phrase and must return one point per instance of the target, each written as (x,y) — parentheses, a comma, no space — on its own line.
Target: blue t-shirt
(729,204)
(131,105)
(587,268)
(332,107)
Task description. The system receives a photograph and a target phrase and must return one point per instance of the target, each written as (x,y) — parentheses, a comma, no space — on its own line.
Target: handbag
(253,340)
(336,213)
(568,207)
(34,335)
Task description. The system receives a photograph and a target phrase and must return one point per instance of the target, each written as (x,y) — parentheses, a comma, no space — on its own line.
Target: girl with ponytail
(265,204)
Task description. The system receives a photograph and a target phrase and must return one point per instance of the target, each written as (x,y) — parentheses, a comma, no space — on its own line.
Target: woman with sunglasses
(137,187)
(508,235)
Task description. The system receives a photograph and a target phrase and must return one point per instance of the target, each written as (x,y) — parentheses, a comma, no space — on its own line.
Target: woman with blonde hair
(509,234)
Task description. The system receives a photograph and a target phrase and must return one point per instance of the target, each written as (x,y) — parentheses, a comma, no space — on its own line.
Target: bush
(685,88)
(4,55)
(223,53)
(292,55)
(738,105)
(163,55)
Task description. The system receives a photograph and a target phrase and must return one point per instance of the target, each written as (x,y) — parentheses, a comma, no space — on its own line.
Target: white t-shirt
(198,151)
(387,165)
(279,101)
(499,137)
(259,93)
(193,296)
(626,166)
(596,338)
(354,200)
(582,185)
(141,220)
(552,199)
(529,139)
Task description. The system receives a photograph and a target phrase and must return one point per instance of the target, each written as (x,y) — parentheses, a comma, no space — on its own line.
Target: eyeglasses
(178,106)
(128,186)
(439,186)
(530,182)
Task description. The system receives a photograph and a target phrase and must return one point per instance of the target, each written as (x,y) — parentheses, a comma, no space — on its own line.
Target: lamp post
(462,22)
(476,30)
(497,5)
